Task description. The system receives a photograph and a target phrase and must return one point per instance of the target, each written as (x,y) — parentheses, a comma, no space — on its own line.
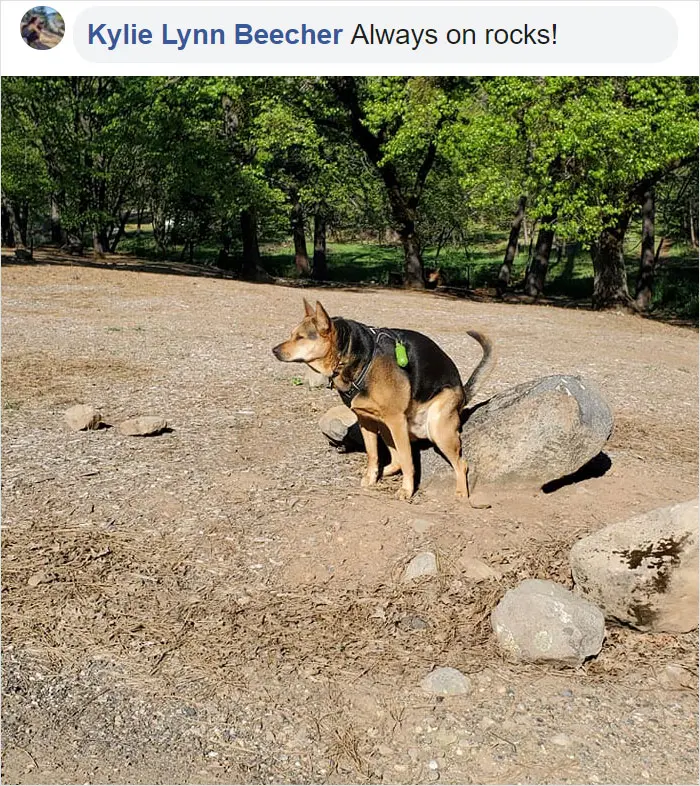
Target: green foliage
(188,154)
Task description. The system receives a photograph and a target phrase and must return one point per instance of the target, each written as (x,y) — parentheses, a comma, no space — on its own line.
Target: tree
(615,138)
(89,134)
(647,261)
(398,123)
(504,274)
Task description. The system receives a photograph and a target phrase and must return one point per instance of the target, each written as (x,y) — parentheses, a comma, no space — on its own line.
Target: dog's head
(311,341)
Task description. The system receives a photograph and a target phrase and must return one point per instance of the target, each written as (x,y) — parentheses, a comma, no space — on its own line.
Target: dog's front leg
(398,427)
(371,440)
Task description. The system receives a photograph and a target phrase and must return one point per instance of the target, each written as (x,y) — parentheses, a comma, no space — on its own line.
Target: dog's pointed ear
(309,309)
(323,321)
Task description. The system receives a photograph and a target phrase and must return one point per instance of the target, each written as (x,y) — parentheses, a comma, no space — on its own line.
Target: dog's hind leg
(444,432)
(443,428)
(394,466)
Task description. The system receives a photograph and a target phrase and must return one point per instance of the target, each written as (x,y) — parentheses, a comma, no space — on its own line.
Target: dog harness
(357,384)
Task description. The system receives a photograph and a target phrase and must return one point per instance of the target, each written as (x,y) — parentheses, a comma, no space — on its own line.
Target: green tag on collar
(401,355)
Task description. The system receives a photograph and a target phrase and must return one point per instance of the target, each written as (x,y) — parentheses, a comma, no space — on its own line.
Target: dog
(399,383)
(434,279)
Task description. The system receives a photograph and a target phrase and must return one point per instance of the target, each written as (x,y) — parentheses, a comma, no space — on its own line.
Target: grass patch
(476,266)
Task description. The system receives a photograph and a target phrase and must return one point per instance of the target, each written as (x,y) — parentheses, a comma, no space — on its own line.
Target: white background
(19,59)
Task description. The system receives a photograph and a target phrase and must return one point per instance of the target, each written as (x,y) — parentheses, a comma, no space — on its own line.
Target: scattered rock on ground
(446,681)
(676,677)
(83,417)
(412,622)
(340,425)
(477,569)
(421,526)
(543,621)
(644,571)
(531,434)
(143,426)
(314,379)
(423,564)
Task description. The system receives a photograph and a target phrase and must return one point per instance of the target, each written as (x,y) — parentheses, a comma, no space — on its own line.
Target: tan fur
(385,407)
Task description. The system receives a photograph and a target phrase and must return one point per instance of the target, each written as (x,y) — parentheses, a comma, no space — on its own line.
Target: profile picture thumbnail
(42,27)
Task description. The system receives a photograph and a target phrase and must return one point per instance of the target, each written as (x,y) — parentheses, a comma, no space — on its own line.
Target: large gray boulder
(540,621)
(527,436)
(531,434)
(644,571)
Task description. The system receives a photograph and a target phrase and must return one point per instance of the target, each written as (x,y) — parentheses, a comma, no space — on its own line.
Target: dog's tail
(484,368)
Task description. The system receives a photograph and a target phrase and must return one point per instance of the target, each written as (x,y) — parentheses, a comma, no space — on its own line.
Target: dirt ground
(223,603)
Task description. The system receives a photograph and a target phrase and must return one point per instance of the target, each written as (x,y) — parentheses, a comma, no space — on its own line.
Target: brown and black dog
(411,392)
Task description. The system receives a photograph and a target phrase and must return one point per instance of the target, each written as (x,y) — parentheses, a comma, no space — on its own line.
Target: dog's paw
(404,494)
(369,479)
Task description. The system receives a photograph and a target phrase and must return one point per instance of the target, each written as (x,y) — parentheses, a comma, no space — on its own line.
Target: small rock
(644,571)
(543,621)
(423,564)
(314,379)
(144,426)
(83,417)
(446,681)
(421,526)
(561,740)
(478,570)
(433,765)
(444,737)
(340,425)
(385,750)
(412,622)
(676,677)
(36,579)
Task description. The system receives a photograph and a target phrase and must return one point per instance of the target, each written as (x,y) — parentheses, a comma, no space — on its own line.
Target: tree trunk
(413,277)
(121,230)
(691,215)
(504,274)
(320,263)
(301,257)
(609,274)
(534,281)
(100,243)
(249,235)
(403,198)
(57,235)
(647,262)
(18,216)
(8,233)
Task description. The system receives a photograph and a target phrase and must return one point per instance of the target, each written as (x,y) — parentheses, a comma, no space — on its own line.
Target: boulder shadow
(595,468)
